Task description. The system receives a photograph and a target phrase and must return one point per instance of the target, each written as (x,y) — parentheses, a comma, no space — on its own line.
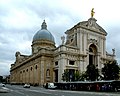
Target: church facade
(85,43)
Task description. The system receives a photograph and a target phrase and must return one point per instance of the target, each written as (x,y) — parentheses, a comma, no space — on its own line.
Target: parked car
(2,85)
(26,86)
(50,86)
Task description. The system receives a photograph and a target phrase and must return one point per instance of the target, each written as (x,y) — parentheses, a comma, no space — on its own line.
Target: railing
(110,85)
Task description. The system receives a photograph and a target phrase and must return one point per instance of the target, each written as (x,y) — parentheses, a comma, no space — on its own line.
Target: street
(18,90)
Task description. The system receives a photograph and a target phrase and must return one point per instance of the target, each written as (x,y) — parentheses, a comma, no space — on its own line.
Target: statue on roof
(113,51)
(92,12)
(63,39)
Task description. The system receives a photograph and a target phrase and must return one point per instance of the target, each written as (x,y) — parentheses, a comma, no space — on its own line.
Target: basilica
(84,44)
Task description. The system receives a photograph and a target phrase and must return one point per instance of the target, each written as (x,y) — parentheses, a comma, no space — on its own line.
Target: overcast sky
(21,19)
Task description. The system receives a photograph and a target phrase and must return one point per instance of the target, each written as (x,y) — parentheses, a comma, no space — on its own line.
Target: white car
(26,86)
(2,85)
(51,86)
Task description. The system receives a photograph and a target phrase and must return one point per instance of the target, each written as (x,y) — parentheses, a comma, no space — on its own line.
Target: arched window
(36,67)
(27,70)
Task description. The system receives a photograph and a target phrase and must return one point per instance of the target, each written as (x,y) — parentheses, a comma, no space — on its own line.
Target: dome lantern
(44,25)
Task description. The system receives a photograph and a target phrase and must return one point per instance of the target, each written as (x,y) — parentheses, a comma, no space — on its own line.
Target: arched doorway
(92,54)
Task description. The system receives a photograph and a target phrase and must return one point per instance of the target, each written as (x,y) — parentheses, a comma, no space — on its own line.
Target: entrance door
(93,54)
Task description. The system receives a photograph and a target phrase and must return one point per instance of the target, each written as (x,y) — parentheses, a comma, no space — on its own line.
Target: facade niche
(31,68)
(27,70)
(56,63)
(48,72)
(36,67)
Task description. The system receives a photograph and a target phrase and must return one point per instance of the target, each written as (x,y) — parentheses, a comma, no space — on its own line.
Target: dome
(43,34)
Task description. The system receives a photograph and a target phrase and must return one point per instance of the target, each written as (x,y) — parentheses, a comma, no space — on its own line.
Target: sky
(21,19)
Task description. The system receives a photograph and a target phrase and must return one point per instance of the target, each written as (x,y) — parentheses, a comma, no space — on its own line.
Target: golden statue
(92,12)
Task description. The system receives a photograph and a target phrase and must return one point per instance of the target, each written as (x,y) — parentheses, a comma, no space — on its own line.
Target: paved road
(15,90)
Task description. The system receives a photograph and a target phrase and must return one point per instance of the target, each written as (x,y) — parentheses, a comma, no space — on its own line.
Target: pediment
(90,25)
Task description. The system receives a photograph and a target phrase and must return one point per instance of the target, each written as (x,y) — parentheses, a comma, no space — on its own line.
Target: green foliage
(77,76)
(65,75)
(80,76)
(92,72)
(83,76)
(110,70)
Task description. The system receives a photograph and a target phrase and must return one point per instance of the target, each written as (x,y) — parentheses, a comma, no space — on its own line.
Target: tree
(83,76)
(110,70)
(65,75)
(92,72)
(77,75)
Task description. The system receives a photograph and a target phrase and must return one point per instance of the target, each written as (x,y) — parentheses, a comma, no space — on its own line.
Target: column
(78,39)
(42,72)
(98,61)
(85,42)
(62,64)
(81,42)
(103,47)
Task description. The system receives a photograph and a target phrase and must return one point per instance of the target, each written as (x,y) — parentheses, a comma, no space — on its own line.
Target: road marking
(4,88)
(38,91)
(19,92)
